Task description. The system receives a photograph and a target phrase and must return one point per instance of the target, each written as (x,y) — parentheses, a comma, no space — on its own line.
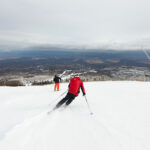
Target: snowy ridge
(120,121)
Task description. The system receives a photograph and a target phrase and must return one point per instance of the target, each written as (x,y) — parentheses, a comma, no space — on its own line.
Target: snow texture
(120,121)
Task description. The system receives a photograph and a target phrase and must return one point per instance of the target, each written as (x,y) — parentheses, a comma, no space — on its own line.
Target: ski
(54,109)
(51,111)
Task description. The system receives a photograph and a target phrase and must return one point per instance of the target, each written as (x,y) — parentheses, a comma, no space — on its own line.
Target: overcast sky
(116,24)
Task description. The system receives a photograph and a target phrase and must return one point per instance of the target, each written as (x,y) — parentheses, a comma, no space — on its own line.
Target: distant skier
(57,81)
(74,89)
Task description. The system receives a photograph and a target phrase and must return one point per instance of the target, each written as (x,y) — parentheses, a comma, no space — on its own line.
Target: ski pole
(58,97)
(91,113)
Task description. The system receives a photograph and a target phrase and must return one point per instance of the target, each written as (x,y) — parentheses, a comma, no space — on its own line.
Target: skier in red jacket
(74,89)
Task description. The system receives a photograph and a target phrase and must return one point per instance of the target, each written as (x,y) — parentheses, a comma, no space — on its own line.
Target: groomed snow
(121,119)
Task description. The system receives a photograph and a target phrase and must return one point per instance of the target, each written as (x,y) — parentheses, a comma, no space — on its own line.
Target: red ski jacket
(74,86)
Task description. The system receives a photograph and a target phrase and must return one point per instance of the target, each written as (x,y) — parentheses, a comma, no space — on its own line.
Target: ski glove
(83,94)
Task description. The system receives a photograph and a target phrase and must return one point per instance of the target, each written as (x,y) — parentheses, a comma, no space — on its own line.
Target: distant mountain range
(26,63)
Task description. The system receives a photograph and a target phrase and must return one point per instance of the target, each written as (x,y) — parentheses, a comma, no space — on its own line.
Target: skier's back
(74,89)
(75,85)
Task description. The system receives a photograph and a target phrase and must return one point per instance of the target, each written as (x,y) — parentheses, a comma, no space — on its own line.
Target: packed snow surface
(121,119)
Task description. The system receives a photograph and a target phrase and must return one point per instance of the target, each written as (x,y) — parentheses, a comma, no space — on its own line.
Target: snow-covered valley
(120,121)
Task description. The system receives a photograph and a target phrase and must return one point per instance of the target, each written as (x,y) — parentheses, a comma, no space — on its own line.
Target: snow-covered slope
(120,122)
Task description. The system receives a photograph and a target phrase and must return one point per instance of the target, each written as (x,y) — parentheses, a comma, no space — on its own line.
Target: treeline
(11,83)
(85,78)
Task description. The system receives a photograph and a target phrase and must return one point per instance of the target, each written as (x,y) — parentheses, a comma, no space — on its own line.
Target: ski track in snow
(120,121)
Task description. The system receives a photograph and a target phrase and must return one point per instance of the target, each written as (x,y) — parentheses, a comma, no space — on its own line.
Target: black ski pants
(67,100)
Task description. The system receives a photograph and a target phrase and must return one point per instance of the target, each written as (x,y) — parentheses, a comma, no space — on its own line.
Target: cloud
(105,24)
